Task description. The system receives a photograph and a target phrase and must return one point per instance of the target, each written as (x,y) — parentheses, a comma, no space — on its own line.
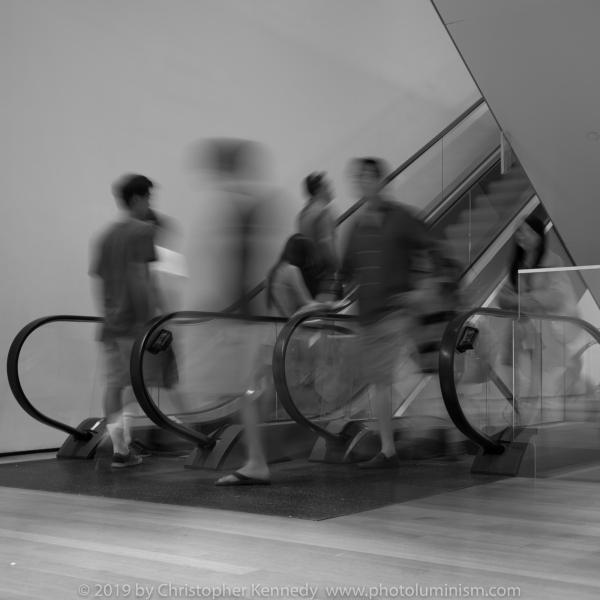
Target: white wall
(91,90)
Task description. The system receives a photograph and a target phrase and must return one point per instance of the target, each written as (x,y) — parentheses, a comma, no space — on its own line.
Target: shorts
(384,346)
(160,370)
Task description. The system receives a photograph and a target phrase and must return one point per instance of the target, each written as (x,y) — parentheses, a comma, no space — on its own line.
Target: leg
(130,411)
(256,467)
(117,378)
(383,404)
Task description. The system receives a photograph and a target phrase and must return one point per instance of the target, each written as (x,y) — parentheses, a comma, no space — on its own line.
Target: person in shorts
(380,255)
(122,286)
(316,223)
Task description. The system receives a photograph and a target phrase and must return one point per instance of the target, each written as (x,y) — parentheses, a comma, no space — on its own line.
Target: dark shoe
(139,449)
(239,479)
(381,461)
(125,460)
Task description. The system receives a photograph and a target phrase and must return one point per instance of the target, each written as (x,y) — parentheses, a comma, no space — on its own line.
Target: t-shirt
(124,244)
(315,222)
(381,252)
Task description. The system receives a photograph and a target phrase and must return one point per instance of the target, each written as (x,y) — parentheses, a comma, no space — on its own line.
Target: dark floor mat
(300,489)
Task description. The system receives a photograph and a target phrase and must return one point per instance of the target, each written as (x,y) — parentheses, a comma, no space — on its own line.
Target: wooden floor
(542,536)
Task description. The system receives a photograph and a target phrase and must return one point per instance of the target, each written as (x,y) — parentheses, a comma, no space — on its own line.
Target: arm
(303,298)
(296,281)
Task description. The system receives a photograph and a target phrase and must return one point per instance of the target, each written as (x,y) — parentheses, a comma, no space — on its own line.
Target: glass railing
(528,383)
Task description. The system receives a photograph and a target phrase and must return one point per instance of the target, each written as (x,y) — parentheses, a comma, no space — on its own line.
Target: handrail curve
(446,368)
(12,371)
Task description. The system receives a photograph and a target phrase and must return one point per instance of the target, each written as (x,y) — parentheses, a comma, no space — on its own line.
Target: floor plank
(540,535)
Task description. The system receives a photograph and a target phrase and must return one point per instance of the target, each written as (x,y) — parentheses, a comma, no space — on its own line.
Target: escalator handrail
(446,368)
(12,371)
(279,375)
(348,213)
(137,370)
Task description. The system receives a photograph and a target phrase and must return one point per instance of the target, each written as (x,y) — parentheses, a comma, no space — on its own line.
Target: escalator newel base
(283,441)
(84,449)
(226,453)
(517,460)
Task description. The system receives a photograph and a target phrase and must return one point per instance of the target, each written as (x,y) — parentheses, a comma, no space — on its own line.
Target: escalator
(318,411)
(454,183)
(528,391)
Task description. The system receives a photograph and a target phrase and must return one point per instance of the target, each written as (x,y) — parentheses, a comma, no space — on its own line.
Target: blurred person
(291,287)
(380,253)
(316,223)
(544,293)
(120,269)
(293,282)
(233,239)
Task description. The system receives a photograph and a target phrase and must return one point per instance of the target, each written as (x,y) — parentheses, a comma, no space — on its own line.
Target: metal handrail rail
(446,368)
(348,213)
(12,371)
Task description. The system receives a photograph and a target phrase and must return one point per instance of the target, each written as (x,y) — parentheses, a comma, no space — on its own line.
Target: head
(133,191)
(369,173)
(318,187)
(529,239)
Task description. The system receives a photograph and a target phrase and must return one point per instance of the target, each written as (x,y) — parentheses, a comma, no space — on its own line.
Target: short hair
(132,185)
(314,182)
(373,164)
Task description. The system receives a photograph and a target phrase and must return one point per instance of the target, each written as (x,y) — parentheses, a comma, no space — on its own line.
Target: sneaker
(125,460)
(381,461)
(139,449)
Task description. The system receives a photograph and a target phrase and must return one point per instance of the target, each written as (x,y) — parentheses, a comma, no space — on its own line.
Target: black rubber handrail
(280,378)
(12,371)
(446,368)
(136,368)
